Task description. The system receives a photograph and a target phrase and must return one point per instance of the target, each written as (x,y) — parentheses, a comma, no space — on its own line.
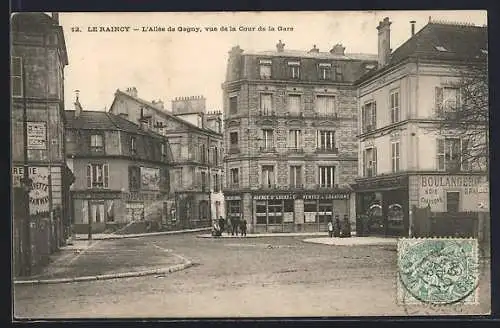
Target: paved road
(275,276)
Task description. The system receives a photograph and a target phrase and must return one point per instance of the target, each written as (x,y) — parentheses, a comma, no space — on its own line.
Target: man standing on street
(243,227)
(234,225)
(330,229)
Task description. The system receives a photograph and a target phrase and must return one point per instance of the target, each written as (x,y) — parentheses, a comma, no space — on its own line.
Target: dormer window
(294,69)
(441,48)
(324,71)
(265,68)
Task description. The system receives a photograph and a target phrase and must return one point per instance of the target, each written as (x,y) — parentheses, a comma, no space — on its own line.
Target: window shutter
(131,177)
(363,118)
(439,100)
(105,169)
(440,156)
(374,160)
(374,115)
(465,157)
(363,164)
(89,176)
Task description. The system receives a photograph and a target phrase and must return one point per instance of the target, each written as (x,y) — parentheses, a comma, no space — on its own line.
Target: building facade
(406,159)
(290,121)
(38,59)
(121,170)
(195,139)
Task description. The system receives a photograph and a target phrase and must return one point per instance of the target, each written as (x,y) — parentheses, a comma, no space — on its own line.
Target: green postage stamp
(437,271)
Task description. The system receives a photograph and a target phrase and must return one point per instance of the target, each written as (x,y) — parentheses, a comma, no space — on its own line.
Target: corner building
(290,121)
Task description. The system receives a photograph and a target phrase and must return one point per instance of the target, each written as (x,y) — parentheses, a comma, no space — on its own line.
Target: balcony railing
(325,115)
(267,112)
(267,149)
(296,186)
(234,150)
(295,149)
(331,150)
(369,172)
(326,186)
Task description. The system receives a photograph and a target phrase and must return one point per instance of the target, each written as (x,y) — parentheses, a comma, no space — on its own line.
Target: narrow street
(233,277)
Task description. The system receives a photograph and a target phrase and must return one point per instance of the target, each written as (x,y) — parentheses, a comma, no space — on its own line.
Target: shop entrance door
(97,212)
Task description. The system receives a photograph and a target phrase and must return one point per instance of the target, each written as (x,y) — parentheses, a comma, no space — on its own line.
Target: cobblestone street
(268,276)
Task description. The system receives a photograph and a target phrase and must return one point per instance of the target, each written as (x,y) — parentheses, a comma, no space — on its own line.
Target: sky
(165,65)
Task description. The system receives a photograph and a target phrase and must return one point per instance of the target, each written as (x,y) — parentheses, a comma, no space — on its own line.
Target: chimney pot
(280,46)
(412,27)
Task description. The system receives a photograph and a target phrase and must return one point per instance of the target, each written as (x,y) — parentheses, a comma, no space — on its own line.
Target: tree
(468,116)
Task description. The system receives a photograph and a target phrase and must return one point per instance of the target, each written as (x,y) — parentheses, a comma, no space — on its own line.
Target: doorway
(97,213)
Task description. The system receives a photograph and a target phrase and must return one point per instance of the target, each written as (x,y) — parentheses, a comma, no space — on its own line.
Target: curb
(170,269)
(111,237)
(263,236)
(387,243)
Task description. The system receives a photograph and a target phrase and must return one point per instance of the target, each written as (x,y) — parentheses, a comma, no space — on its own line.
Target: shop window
(288,205)
(261,212)
(369,116)
(325,212)
(395,215)
(275,212)
(452,201)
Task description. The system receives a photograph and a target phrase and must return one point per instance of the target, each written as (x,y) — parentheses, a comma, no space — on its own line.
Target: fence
(459,225)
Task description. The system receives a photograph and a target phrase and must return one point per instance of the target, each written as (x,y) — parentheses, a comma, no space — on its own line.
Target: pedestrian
(229,227)
(330,229)
(234,224)
(336,228)
(346,229)
(222,224)
(243,227)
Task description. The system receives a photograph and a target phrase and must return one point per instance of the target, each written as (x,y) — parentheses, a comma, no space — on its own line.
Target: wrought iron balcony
(330,150)
(234,150)
(295,149)
(296,186)
(267,149)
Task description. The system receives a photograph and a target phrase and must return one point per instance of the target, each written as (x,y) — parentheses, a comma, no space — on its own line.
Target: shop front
(234,207)
(298,211)
(382,206)
(96,209)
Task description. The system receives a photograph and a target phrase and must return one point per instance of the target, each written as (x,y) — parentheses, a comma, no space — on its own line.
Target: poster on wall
(39,193)
(150,178)
(37,135)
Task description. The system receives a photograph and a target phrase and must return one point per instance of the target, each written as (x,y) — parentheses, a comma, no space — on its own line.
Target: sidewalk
(276,234)
(108,236)
(354,241)
(97,260)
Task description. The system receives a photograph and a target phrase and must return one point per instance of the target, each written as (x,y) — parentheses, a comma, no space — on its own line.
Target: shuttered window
(98,176)
(16,76)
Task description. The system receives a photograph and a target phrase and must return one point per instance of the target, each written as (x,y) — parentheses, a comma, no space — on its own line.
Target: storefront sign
(326,196)
(150,178)
(302,196)
(434,189)
(395,183)
(39,193)
(275,197)
(37,135)
(233,197)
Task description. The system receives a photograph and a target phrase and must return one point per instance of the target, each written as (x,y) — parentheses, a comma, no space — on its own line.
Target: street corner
(353,241)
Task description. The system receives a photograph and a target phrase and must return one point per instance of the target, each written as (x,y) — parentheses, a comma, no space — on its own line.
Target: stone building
(406,159)
(195,138)
(122,172)
(38,58)
(290,123)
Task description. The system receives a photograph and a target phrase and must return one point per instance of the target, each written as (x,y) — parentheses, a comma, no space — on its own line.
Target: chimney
(132,91)
(55,17)
(314,50)
(78,106)
(412,27)
(384,42)
(143,122)
(338,49)
(280,46)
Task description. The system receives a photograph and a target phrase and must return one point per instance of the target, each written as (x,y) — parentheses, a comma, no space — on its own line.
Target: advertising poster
(37,135)
(39,193)
(150,178)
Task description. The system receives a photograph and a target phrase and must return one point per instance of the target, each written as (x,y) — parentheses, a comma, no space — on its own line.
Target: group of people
(234,226)
(339,230)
